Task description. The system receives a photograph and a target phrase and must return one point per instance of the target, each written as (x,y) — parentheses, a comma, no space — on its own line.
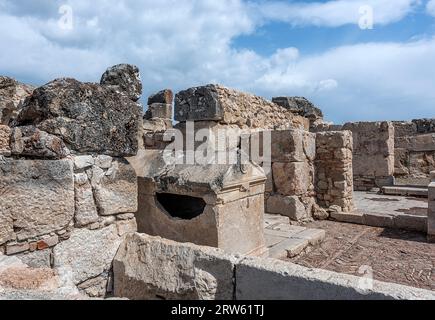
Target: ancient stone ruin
(204,195)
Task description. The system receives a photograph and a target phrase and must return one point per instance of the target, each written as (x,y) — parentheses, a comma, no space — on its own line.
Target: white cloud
(179,44)
(430,7)
(335,13)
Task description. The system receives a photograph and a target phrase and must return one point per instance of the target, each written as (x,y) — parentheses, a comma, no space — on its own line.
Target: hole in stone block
(179,206)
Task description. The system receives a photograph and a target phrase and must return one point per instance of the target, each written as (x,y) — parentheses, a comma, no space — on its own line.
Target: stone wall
(431,210)
(228,106)
(290,186)
(334,177)
(153,268)
(373,154)
(68,196)
(157,120)
(414,151)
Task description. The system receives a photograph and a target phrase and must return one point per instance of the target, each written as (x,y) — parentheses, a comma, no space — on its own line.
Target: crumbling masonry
(82,168)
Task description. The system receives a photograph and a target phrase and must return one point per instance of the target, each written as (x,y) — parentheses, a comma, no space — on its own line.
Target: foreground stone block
(217,103)
(148,268)
(267,279)
(87,254)
(89,118)
(37,197)
(431,210)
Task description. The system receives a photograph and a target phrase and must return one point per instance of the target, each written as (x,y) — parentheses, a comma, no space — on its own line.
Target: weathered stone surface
(32,142)
(83,162)
(416,143)
(431,210)
(373,148)
(124,78)
(5,136)
(293,146)
(159,111)
(153,268)
(217,103)
(87,254)
(37,197)
(85,207)
(267,279)
(162,97)
(300,106)
(88,117)
(334,176)
(37,259)
(12,95)
(289,206)
(294,178)
(115,190)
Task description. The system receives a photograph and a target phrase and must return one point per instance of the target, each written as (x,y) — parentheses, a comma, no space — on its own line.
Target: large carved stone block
(292,178)
(373,148)
(37,197)
(88,117)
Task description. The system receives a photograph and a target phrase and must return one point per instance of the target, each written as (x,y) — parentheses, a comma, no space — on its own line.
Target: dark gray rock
(300,106)
(199,103)
(165,96)
(88,117)
(124,78)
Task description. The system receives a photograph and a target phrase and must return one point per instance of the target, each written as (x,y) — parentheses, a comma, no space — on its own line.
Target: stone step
(409,191)
(291,241)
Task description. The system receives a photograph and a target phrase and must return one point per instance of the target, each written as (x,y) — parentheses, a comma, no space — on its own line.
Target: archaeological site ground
(209,194)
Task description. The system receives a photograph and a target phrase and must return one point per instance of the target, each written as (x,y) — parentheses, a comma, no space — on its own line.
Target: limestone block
(373,148)
(83,162)
(417,143)
(37,259)
(147,268)
(37,196)
(294,178)
(269,279)
(116,190)
(289,206)
(85,207)
(293,146)
(87,254)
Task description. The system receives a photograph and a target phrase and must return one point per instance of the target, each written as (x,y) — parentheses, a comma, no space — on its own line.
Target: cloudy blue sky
(315,49)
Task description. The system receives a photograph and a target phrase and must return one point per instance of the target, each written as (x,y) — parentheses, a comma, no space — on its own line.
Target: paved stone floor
(397,256)
(376,203)
(284,240)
